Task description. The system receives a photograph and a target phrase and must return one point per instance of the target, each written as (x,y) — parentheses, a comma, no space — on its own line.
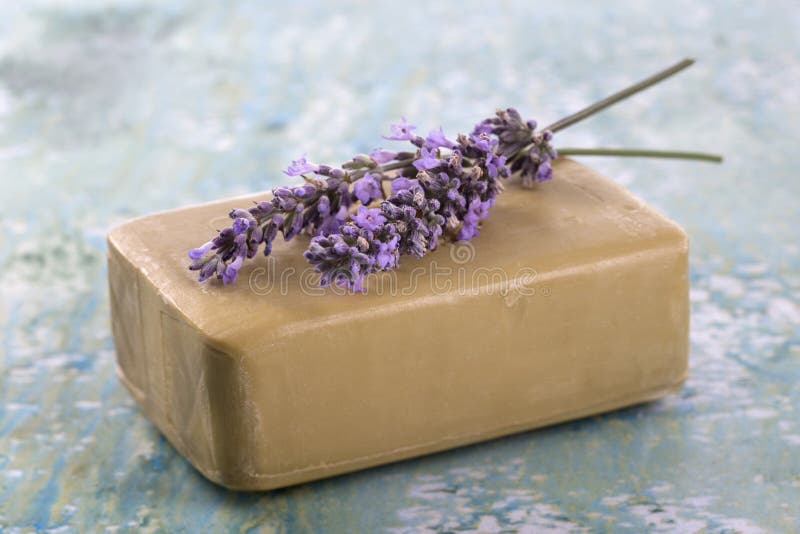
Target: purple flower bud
(544,172)
(401,131)
(270,232)
(304,190)
(476,212)
(199,252)
(208,269)
(482,141)
(298,221)
(332,223)
(341,248)
(300,166)
(240,225)
(362,160)
(467,231)
(286,203)
(382,156)
(481,129)
(232,270)
(436,139)
(496,165)
(387,253)
(401,183)
(324,205)
(367,188)
(241,213)
(257,236)
(427,159)
(368,219)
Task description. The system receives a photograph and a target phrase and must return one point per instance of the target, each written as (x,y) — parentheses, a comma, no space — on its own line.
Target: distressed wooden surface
(111,110)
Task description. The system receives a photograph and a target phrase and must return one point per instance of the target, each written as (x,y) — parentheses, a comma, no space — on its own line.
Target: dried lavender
(528,151)
(438,189)
(318,206)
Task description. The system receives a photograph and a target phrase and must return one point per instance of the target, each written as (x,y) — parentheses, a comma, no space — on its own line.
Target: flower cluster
(318,206)
(530,150)
(439,189)
(365,244)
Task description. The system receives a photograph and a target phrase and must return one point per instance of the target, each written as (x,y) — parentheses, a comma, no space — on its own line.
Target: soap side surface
(572,301)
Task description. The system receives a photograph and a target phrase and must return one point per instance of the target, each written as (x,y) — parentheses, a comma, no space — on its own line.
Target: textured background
(111,110)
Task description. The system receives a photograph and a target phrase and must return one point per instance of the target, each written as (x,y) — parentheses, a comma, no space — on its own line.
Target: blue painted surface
(111,110)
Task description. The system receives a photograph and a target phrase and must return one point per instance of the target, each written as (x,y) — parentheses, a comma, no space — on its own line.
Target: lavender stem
(393,166)
(640,153)
(621,95)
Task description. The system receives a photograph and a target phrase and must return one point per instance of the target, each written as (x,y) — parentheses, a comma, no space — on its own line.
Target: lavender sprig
(318,207)
(439,189)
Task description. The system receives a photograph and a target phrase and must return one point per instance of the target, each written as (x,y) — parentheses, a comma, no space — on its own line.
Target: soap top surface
(576,219)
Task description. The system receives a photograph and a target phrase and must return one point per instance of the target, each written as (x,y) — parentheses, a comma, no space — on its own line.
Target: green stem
(639,153)
(393,166)
(621,95)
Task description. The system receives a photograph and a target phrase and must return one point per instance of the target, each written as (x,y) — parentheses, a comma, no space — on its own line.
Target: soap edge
(642,204)
(145,395)
(169,306)
(269,482)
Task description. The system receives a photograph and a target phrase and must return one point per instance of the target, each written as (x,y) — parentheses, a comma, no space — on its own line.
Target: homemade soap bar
(573,300)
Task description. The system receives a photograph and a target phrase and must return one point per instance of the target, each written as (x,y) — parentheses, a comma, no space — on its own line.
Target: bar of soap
(572,301)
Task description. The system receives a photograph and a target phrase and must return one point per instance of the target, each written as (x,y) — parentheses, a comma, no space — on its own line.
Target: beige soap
(572,301)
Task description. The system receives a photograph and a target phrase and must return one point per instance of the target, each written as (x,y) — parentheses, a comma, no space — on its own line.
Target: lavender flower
(381,156)
(332,223)
(300,166)
(401,182)
(447,190)
(401,131)
(199,252)
(367,218)
(437,139)
(231,271)
(317,206)
(427,159)
(367,188)
(477,211)
(416,219)
(529,152)
(496,165)
(386,256)
(241,224)
(341,258)
(482,141)
(364,245)
(454,187)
